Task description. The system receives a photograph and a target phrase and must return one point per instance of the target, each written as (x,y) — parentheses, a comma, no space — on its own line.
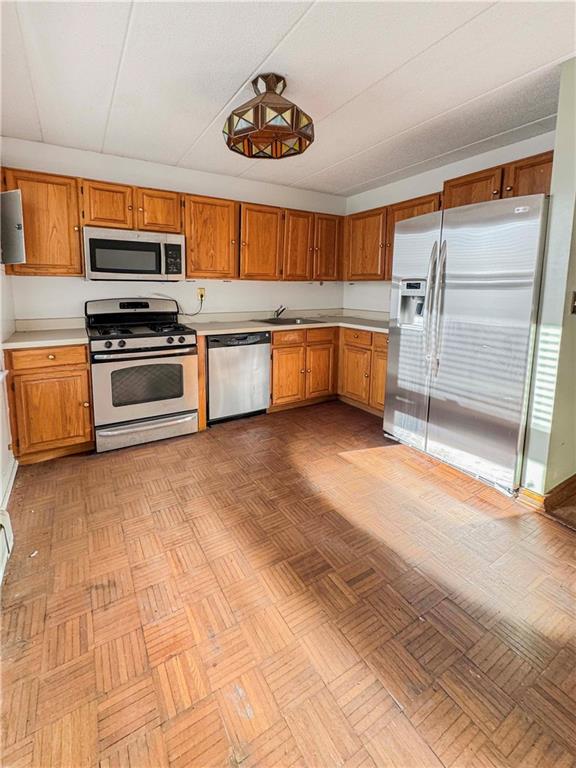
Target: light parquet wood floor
(287,591)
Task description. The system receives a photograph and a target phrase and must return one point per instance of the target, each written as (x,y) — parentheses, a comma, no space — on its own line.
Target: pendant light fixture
(268,126)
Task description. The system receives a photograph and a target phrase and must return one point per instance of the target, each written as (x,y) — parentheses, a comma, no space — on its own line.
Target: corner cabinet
(366,258)
(363,367)
(211,229)
(530,176)
(303,366)
(402,211)
(261,242)
(51,223)
(50,402)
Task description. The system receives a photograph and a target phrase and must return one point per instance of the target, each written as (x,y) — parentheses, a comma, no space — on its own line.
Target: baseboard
(361,406)
(10,484)
(563,492)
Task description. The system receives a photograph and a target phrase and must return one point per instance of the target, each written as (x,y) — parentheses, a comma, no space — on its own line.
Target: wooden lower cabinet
(303,365)
(356,363)
(363,367)
(378,379)
(50,407)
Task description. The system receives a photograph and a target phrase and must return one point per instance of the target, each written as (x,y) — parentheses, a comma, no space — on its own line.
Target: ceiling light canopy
(268,126)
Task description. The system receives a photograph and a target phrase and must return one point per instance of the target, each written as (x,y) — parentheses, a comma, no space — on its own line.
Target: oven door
(127,387)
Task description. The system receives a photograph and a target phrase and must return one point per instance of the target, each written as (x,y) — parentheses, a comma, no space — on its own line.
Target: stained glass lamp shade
(268,126)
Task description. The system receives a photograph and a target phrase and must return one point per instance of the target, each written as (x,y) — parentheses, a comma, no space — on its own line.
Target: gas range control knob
(107,344)
(181,339)
(170,339)
(121,343)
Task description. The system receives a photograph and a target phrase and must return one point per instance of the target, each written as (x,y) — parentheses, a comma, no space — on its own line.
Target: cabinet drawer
(359,338)
(47,357)
(321,335)
(283,338)
(381,341)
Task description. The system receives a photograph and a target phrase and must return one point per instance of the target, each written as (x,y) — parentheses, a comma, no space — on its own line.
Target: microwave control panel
(173,257)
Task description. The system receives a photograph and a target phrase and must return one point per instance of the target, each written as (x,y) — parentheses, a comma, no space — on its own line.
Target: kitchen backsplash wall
(371,296)
(63,297)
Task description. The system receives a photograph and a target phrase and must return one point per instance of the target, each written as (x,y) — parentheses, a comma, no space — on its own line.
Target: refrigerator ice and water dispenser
(412,298)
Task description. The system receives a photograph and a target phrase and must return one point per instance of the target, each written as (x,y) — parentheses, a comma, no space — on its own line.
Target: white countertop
(66,336)
(57,337)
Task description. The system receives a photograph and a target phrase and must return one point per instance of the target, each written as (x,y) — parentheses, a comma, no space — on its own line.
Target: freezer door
(490,265)
(416,250)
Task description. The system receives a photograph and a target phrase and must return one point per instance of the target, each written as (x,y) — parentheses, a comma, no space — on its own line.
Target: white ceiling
(395,88)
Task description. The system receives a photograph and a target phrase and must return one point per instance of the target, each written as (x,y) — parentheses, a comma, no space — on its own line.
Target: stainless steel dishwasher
(238,375)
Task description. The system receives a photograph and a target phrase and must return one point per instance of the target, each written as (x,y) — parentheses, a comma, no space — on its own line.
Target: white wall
(432,181)
(370,296)
(36,156)
(66,295)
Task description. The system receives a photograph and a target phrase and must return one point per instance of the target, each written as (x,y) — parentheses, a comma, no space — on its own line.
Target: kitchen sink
(289,320)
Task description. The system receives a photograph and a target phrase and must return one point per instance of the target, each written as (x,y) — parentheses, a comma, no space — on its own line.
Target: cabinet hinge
(13,387)
(182,203)
(81,189)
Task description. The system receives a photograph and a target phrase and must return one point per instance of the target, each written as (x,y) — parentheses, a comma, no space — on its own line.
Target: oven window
(147,383)
(125,257)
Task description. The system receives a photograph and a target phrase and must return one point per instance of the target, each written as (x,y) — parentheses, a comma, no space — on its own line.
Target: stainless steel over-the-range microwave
(125,254)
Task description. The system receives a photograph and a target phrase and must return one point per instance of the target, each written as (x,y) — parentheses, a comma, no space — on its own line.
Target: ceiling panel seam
(246,82)
(346,192)
(29,69)
(457,107)
(394,70)
(117,76)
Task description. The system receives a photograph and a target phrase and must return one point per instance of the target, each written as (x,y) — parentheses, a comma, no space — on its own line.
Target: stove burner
(112,330)
(169,328)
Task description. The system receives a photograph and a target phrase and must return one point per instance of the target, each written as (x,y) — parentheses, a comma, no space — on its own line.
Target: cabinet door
(107,205)
(51,224)
(298,245)
(366,254)
(378,379)
(288,375)
(261,242)
(473,188)
(530,176)
(319,370)
(326,247)
(158,211)
(211,227)
(356,373)
(52,410)
(401,211)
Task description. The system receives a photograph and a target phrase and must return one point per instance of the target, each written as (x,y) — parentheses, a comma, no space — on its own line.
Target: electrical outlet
(201,293)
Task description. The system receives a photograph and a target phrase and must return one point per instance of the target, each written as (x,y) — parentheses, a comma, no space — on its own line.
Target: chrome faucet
(278,312)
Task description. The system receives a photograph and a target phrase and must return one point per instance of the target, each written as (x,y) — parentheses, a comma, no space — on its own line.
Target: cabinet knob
(355,335)
(129,207)
(310,249)
(316,249)
(302,370)
(381,245)
(86,405)
(495,191)
(51,357)
(243,243)
(232,242)
(76,228)
(140,209)
(388,245)
(308,370)
(366,375)
(509,189)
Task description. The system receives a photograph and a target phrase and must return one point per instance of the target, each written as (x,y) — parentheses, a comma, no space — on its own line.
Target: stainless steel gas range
(144,371)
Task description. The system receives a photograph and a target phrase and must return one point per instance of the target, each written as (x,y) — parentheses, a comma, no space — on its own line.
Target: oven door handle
(151,425)
(178,352)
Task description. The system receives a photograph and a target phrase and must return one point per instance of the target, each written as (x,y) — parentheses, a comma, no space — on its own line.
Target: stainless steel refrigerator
(463,312)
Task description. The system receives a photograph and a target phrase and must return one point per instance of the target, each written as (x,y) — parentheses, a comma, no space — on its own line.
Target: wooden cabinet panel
(318,335)
(366,253)
(378,378)
(288,375)
(52,410)
(46,357)
(298,245)
(357,337)
(356,373)
(51,224)
(473,188)
(261,244)
(319,370)
(158,210)
(401,211)
(530,176)
(326,247)
(380,341)
(211,227)
(107,205)
(284,338)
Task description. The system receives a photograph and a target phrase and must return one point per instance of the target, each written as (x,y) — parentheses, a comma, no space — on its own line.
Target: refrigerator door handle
(439,307)
(429,300)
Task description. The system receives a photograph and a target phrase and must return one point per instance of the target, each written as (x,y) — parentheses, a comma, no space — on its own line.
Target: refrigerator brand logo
(522,209)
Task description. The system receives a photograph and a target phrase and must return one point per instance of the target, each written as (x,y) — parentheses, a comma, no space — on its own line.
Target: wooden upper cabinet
(530,176)
(51,223)
(52,410)
(327,230)
(211,228)
(158,210)
(261,243)
(288,375)
(298,245)
(366,254)
(406,210)
(473,188)
(107,205)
